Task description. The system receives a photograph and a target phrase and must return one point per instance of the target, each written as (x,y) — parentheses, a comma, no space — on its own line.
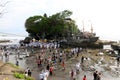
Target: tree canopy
(56,26)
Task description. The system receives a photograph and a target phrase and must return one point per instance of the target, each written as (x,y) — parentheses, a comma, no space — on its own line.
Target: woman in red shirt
(51,70)
(84,78)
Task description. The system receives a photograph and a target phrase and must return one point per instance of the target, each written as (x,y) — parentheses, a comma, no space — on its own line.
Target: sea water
(13,40)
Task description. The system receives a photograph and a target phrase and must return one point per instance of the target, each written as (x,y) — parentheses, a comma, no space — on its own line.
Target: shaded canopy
(57,26)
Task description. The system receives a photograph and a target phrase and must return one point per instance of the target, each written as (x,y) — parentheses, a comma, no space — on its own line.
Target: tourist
(82,59)
(77,66)
(82,65)
(95,74)
(73,74)
(48,66)
(2,54)
(118,61)
(45,74)
(51,70)
(63,65)
(17,63)
(5,55)
(38,62)
(26,74)
(41,76)
(29,72)
(84,78)
(99,76)
(77,53)
(26,71)
(27,54)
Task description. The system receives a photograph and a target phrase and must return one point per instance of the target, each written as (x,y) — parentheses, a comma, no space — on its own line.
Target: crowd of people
(50,57)
(53,58)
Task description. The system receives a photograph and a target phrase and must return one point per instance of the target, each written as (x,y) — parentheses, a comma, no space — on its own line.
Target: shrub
(22,76)
(18,75)
(29,78)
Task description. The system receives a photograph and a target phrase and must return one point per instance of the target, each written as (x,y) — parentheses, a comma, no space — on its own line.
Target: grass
(13,65)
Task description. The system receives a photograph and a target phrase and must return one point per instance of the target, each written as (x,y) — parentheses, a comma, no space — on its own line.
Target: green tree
(56,26)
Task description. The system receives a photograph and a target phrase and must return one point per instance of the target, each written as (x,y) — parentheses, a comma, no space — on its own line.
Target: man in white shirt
(41,76)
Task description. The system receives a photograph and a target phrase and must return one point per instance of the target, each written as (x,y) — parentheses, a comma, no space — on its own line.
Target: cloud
(104,14)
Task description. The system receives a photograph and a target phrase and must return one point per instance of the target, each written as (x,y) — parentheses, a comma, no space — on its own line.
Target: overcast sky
(103,14)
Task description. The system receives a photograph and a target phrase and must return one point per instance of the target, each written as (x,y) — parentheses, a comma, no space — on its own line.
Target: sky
(103,14)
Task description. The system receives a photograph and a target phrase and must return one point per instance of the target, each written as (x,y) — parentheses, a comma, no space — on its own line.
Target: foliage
(29,78)
(19,76)
(58,25)
(27,40)
(22,76)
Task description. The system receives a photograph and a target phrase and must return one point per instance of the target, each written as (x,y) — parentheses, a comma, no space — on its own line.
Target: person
(82,59)
(78,68)
(29,72)
(6,55)
(41,76)
(38,62)
(26,74)
(26,71)
(99,76)
(2,54)
(73,74)
(95,74)
(27,54)
(84,78)
(82,65)
(48,66)
(63,65)
(51,70)
(45,74)
(118,61)
(17,63)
